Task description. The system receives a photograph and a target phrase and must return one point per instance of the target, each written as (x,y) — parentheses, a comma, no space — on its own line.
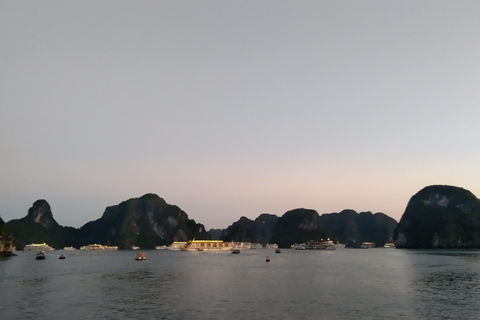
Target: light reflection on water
(342,284)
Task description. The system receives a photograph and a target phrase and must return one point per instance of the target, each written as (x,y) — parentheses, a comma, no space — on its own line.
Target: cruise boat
(241,245)
(333,246)
(92,247)
(206,245)
(256,246)
(176,245)
(135,248)
(37,247)
(161,247)
(69,248)
(111,247)
(366,245)
(298,246)
(271,245)
(316,245)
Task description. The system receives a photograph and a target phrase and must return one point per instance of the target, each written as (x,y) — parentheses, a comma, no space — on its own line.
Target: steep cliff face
(296,226)
(440,217)
(246,230)
(41,213)
(37,226)
(145,222)
(353,228)
(6,240)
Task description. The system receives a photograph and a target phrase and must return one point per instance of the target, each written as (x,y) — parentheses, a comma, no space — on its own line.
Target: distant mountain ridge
(436,217)
(302,225)
(149,221)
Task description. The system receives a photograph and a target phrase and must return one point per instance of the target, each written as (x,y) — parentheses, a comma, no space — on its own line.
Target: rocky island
(6,241)
(440,217)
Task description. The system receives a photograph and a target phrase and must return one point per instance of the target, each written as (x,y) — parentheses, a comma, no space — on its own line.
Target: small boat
(61,257)
(235,251)
(278,250)
(267,259)
(40,256)
(141,256)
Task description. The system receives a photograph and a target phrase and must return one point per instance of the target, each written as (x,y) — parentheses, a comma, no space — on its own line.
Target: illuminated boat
(206,245)
(316,245)
(93,247)
(37,247)
(176,245)
(141,256)
(366,245)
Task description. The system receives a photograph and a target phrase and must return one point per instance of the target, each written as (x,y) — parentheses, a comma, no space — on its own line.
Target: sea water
(341,284)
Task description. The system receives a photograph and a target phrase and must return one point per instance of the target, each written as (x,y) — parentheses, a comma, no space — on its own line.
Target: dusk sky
(236,108)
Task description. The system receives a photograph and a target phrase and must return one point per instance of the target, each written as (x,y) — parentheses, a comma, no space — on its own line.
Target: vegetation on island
(6,240)
(440,217)
(298,226)
(246,230)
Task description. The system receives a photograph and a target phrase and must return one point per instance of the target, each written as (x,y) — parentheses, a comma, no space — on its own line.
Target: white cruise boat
(241,245)
(271,245)
(206,245)
(176,245)
(37,247)
(298,246)
(93,247)
(315,245)
(69,248)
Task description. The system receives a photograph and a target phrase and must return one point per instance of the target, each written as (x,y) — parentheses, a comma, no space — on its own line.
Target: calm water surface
(341,284)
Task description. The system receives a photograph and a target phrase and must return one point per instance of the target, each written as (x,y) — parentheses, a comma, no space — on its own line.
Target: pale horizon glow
(230,109)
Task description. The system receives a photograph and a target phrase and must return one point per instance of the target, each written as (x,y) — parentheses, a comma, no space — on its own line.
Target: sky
(236,108)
